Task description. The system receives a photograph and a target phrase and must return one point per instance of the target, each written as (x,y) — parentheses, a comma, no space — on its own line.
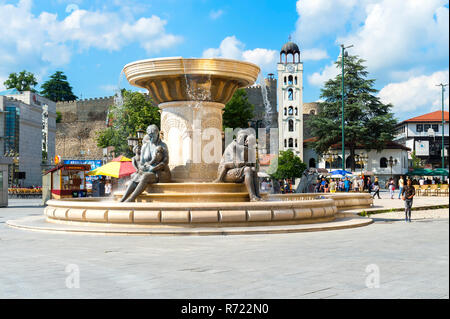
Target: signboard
(422,148)
(94,164)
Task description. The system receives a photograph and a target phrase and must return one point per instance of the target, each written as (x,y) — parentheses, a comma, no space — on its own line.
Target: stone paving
(387,259)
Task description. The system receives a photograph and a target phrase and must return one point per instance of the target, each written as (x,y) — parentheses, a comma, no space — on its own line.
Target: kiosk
(67,180)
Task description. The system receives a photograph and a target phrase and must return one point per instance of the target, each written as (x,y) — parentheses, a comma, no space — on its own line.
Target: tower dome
(289,48)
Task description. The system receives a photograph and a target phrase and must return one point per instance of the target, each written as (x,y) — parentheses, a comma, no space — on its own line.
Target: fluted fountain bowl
(178,79)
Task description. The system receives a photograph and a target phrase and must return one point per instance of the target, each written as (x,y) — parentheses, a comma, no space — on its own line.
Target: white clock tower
(290,99)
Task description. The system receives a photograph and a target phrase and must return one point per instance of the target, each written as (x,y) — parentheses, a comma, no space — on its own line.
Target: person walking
(369,185)
(376,188)
(401,185)
(407,195)
(391,186)
(347,185)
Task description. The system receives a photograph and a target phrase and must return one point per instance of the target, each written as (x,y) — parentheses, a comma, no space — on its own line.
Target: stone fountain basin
(306,208)
(179,79)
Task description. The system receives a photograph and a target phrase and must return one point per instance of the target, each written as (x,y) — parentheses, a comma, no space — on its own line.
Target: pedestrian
(407,195)
(391,186)
(347,185)
(376,188)
(332,186)
(401,185)
(356,185)
(369,185)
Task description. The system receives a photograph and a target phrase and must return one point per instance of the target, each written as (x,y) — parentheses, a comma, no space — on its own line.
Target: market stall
(67,180)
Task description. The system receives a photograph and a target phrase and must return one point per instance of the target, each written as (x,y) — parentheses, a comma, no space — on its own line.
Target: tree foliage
(238,111)
(368,123)
(57,88)
(136,112)
(286,166)
(23,81)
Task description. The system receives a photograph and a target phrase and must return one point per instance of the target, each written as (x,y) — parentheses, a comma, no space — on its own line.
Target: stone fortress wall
(83,119)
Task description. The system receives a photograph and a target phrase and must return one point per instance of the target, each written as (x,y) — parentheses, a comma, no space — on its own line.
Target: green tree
(57,88)
(136,112)
(287,165)
(238,111)
(368,123)
(416,161)
(58,117)
(23,81)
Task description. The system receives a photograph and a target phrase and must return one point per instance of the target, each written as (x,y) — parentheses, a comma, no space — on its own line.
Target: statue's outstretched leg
(145,181)
(222,173)
(249,183)
(129,190)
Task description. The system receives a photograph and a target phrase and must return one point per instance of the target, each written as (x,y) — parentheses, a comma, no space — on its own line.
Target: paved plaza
(387,259)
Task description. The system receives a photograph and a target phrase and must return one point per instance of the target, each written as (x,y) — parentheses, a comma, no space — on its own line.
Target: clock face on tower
(290,68)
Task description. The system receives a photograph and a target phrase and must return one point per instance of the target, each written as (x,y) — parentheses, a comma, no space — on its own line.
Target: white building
(423,134)
(290,99)
(27,127)
(392,161)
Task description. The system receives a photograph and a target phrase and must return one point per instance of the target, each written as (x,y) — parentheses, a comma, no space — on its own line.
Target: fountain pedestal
(192,131)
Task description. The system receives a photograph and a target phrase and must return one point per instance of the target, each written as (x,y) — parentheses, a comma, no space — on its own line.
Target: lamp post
(343,131)
(392,162)
(443,122)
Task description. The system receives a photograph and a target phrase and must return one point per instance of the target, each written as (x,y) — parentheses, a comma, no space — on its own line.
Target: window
(291,110)
(296,145)
(290,80)
(285,143)
(435,127)
(295,80)
(426,127)
(291,125)
(290,95)
(312,163)
(383,162)
(291,142)
(419,128)
(312,112)
(285,111)
(296,111)
(284,80)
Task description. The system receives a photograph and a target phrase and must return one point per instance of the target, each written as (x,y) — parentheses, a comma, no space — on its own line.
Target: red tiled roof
(430,117)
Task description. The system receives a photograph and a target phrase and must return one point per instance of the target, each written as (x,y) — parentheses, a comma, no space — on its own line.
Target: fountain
(191,94)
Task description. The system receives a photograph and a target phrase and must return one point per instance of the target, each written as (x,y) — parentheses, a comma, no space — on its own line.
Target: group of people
(329,185)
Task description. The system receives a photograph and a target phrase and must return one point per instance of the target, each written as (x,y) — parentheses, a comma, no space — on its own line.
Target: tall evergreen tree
(136,112)
(238,111)
(23,81)
(57,88)
(368,123)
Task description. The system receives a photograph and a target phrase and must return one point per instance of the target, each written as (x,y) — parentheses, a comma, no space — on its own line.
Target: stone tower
(290,99)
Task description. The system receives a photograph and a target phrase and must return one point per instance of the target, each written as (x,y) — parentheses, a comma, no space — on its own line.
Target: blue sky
(405,43)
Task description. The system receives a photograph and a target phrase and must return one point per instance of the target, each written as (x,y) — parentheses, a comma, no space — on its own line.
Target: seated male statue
(235,166)
(152,162)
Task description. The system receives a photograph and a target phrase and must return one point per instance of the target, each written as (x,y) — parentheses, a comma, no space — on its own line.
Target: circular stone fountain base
(40,223)
(305,212)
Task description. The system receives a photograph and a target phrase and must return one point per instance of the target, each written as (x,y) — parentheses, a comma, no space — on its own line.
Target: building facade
(28,126)
(290,99)
(423,135)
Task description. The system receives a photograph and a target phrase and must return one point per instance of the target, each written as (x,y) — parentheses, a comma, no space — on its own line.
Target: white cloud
(319,78)
(318,18)
(29,40)
(215,14)
(398,33)
(232,48)
(418,93)
(313,55)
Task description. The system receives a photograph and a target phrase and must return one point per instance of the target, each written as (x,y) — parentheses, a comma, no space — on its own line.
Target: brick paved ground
(412,260)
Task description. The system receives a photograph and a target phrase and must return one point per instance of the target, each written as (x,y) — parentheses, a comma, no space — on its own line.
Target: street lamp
(443,122)
(140,134)
(392,162)
(132,141)
(344,54)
